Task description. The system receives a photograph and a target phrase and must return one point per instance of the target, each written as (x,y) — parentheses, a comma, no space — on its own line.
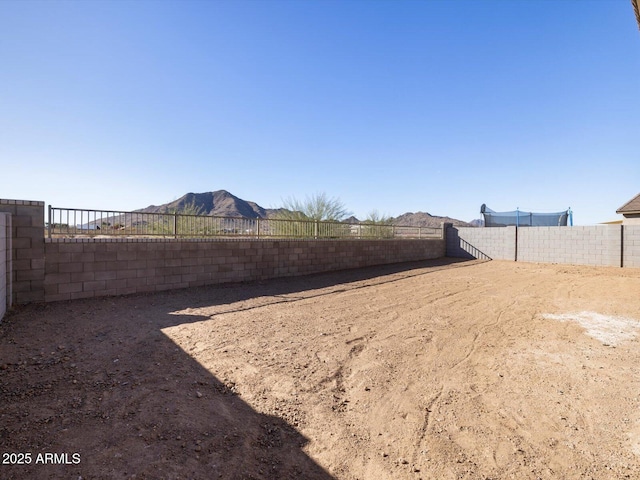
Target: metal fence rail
(73,222)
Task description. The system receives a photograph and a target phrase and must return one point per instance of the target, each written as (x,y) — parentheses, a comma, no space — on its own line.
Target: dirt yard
(438,370)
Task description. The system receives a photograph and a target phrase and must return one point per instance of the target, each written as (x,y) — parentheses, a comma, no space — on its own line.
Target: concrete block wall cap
(35,203)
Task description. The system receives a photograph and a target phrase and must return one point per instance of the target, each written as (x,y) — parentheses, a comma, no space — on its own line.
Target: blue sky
(436,106)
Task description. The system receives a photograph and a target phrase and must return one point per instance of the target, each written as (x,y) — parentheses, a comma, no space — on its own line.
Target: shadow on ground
(285,290)
(97,384)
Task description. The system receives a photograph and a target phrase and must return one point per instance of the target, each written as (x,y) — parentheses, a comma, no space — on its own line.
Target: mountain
(219,203)
(224,204)
(477,223)
(422,219)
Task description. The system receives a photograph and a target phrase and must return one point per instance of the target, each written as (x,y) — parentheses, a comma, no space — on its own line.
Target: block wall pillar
(27,249)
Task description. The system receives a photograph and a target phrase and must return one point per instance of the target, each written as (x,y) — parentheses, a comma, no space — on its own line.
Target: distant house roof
(632,206)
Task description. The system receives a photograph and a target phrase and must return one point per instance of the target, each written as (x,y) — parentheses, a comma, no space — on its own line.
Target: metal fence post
(258,227)
(175,225)
(622,246)
(315,229)
(49,225)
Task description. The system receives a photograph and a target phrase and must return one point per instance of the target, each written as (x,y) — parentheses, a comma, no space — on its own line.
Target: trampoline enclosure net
(520,218)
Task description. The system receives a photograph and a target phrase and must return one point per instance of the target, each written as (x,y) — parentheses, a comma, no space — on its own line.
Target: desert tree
(376,218)
(318,206)
(377,225)
(303,217)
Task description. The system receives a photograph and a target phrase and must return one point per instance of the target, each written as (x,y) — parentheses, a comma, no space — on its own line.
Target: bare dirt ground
(438,370)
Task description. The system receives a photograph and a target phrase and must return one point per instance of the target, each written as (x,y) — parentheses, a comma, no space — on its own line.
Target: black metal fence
(72,223)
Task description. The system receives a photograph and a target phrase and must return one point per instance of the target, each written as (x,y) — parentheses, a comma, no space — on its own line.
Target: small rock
(198,394)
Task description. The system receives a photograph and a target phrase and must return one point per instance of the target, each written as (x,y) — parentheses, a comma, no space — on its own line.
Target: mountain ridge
(224,204)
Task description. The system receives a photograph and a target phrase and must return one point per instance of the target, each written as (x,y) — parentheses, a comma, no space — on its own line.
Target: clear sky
(400,106)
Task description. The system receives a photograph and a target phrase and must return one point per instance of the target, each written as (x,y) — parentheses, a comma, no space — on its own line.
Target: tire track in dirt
(338,375)
(426,424)
(434,402)
(478,335)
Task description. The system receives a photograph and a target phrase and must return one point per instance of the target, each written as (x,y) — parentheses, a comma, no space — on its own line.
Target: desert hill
(423,219)
(224,204)
(219,203)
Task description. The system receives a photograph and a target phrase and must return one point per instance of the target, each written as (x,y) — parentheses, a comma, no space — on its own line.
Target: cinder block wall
(483,243)
(588,245)
(605,245)
(81,268)
(631,246)
(27,232)
(5,263)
